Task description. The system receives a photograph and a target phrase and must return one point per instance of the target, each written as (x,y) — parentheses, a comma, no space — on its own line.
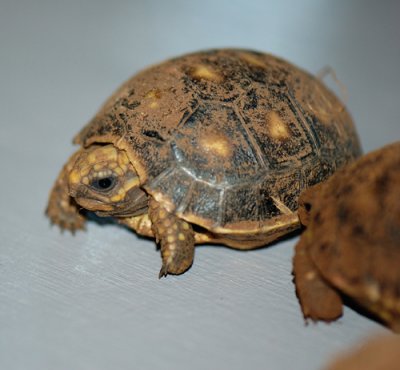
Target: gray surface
(93,301)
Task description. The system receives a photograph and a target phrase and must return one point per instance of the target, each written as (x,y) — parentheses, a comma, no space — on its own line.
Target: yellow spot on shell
(181,236)
(153,94)
(206,73)
(153,104)
(171,238)
(185,226)
(277,127)
(252,59)
(310,275)
(217,144)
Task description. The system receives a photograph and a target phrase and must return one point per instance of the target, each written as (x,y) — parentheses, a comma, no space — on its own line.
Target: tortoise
(351,246)
(208,147)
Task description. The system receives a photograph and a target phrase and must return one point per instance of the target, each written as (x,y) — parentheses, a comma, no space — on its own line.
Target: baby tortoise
(351,244)
(210,147)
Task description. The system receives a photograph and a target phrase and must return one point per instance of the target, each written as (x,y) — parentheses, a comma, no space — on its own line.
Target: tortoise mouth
(134,203)
(92,204)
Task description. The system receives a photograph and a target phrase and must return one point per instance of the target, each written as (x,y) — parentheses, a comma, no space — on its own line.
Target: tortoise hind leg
(176,238)
(61,208)
(318,300)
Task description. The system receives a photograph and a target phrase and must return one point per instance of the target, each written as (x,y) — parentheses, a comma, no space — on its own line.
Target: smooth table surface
(93,301)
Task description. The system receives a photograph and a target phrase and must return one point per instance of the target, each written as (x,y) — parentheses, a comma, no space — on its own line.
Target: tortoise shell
(227,139)
(352,240)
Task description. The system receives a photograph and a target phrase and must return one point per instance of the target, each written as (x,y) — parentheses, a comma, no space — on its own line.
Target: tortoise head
(104,180)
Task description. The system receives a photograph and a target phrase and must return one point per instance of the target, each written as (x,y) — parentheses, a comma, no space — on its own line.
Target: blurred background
(93,301)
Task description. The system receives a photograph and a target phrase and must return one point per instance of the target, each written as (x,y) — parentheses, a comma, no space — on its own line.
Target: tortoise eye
(104,184)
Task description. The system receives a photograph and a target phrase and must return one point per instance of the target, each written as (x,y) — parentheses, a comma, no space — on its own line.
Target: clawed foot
(65,215)
(62,209)
(175,268)
(176,239)
(163,271)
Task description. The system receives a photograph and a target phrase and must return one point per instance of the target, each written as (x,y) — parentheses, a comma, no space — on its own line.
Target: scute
(227,137)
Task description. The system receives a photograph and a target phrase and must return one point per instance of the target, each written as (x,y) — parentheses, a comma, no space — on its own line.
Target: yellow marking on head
(98,167)
(277,127)
(84,171)
(205,72)
(85,180)
(252,59)
(118,197)
(103,154)
(132,183)
(181,236)
(217,144)
(123,159)
(119,171)
(74,177)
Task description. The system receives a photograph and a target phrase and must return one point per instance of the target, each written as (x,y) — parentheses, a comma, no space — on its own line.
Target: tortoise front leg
(318,300)
(62,209)
(176,238)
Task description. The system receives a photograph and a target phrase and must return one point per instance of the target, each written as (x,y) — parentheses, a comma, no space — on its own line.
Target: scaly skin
(62,209)
(176,238)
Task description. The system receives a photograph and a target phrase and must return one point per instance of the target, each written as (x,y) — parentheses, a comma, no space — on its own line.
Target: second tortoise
(351,245)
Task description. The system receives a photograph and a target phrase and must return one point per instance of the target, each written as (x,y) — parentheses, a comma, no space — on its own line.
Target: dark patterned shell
(227,138)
